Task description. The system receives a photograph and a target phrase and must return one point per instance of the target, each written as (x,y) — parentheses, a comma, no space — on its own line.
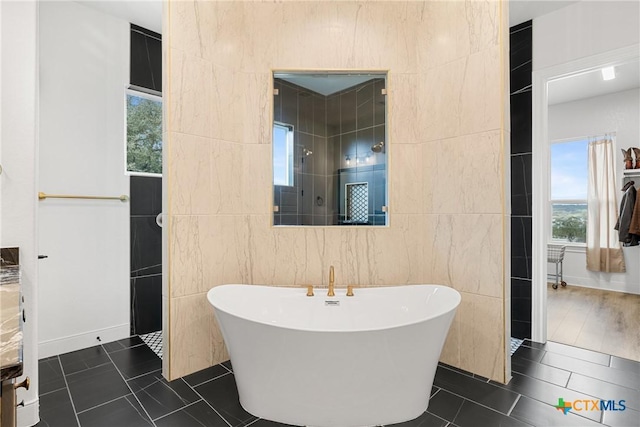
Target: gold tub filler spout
(331,292)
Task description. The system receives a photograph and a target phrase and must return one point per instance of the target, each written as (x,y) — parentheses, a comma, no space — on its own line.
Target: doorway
(596,310)
(93,286)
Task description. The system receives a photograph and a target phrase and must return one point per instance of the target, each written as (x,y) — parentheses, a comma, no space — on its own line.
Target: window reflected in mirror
(329,149)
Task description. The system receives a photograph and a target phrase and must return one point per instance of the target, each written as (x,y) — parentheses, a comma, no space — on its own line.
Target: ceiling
(523,10)
(144,13)
(591,84)
(326,83)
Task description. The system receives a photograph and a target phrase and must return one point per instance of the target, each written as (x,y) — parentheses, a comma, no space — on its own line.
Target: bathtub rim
(453,307)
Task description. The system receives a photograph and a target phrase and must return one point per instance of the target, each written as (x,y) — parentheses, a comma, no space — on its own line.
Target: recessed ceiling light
(608,73)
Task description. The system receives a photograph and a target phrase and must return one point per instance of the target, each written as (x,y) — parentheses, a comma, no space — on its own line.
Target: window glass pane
(569,222)
(282,155)
(144,135)
(569,170)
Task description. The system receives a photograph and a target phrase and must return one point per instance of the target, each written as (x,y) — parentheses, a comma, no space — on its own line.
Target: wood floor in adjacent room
(604,321)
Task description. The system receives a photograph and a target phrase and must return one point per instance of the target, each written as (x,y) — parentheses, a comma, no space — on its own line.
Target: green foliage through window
(144,135)
(569,222)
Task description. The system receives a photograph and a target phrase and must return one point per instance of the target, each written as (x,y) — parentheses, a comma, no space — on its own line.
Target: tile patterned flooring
(119,384)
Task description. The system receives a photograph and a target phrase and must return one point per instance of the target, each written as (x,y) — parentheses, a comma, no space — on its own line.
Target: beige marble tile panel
(461,97)
(452,346)
(323,26)
(484,23)
(293,256)
(385,35)
(255,179)
(190,27)
(465,252)
(258,104)
(439,100)
(227,165)
(454,29)
(209,176)
(406,183)
(270,32)
(202,28)
(378,256)
(464,174)
(444,32)
(481,97)
(402,108)
(166,334)
(506,170)
(506,69)
(188,252)
(504,36)
(228,90)
(398,251)
(209,250)
(196,341)
(376,35)
(190,175)
(190,99)
(482,344)
(285,256)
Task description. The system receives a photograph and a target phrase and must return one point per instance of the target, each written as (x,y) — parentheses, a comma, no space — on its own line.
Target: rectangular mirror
(329,148)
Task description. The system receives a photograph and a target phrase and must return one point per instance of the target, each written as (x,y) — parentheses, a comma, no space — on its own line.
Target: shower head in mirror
(377,148)
(306,151)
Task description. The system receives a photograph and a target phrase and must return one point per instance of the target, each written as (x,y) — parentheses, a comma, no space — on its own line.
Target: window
(282,154)
(144,133)
(569,181)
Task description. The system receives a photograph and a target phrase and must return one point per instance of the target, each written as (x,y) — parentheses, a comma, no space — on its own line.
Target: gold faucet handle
(349,290)
(309,290)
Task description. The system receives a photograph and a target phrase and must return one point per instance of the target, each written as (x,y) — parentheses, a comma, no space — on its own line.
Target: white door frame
(540,173)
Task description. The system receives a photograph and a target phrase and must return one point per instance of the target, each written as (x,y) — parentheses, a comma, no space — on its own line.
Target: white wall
(584,29)
(18,116)
(617,112)
(84,284)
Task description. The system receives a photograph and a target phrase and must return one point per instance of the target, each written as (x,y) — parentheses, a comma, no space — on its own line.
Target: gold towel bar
(42,196)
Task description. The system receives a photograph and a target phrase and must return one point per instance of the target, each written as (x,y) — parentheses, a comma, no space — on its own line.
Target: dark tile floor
(120,385)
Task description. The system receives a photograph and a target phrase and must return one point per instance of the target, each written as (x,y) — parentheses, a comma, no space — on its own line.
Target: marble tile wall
(521,179)
(448,75)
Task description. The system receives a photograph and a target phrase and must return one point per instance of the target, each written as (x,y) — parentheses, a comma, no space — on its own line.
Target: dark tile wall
(146,58)
(360,126)
(521,155)
(308,201)
(146,254)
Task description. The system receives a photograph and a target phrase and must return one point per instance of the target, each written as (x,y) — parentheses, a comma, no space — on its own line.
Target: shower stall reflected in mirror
(329,149)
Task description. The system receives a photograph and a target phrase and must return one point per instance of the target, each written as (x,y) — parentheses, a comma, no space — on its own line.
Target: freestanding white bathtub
(336,361)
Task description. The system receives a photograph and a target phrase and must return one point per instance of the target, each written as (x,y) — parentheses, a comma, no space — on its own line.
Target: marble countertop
(10,322)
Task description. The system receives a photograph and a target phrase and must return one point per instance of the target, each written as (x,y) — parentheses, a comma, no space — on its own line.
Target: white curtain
(604,252)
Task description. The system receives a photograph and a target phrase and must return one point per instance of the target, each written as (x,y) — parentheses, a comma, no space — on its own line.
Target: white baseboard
(28,415)
(80,341)
(588,282)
